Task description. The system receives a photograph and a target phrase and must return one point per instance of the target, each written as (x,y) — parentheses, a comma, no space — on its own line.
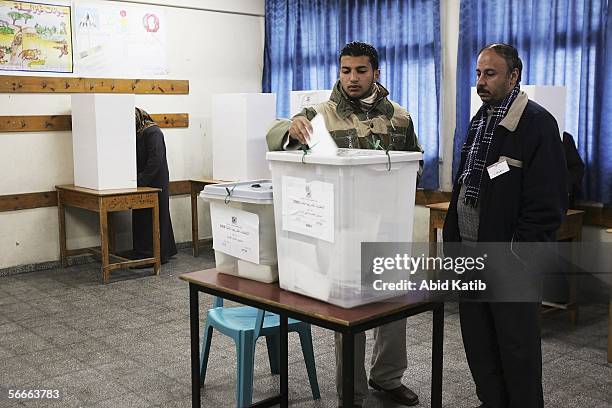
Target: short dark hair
(507,52)
(358,49)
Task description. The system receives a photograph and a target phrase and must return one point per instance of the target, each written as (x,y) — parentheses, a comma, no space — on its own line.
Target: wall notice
(35,37)
(308,207)
(235,232)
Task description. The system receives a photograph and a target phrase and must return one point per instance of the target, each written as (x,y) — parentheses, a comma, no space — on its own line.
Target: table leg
(573,298)
(284,361)
(61,217)
(112,236)
(156,254)
(610,332)
(194,326)
(348,369)
(195,239)
(437,349)
(433,236)
(104,242)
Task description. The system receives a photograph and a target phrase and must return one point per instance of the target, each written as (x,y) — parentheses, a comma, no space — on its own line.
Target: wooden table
(197,185)
(349,322)
(570,230)
(103,202)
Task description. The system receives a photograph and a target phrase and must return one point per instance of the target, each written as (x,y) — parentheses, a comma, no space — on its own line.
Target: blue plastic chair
(245,325)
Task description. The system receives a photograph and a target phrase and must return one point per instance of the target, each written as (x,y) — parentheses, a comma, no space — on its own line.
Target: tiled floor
(126,344)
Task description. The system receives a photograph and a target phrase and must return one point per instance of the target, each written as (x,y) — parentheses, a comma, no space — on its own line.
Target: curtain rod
(151,3)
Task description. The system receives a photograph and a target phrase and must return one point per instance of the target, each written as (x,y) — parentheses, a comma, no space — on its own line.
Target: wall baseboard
(76,260)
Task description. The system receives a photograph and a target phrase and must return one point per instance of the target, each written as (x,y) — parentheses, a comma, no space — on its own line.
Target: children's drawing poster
(35,37)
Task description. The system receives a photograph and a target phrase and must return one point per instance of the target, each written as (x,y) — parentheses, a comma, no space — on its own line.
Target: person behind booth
(152,169)
(575,168)
(359,115)
(523,202)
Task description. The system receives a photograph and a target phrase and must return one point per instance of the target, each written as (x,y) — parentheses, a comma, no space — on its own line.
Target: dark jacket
(152,168)
(575,168)
(528,202)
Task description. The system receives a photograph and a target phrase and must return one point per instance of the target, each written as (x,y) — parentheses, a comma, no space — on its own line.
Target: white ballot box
(104,141)
(326,206)
(239,126)
(551,98)
(242,219)
(305,99)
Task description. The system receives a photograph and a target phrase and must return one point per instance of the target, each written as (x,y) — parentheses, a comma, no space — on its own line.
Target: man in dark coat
(511,187)
(152,168)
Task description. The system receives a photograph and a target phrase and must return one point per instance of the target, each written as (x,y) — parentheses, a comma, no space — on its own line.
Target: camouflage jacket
(385,125)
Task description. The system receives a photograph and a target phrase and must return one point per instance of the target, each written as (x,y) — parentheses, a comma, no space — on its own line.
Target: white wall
(216,51)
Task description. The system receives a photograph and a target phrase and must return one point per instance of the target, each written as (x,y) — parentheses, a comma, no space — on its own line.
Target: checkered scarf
(476,147)
(143,121)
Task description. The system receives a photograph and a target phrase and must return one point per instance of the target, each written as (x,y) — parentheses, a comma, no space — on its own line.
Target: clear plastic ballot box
(325,206)
(242,220)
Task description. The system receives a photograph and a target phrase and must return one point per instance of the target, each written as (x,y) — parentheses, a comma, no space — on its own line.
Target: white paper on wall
(120,40)
(308,207)
(236,232)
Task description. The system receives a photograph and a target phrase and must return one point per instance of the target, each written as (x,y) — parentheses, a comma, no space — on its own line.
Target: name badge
(497,169)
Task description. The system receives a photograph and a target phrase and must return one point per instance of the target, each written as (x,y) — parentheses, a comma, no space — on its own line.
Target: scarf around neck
(478,142)
(368,102)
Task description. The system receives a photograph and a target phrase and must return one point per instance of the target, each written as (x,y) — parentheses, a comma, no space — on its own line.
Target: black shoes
(402,394)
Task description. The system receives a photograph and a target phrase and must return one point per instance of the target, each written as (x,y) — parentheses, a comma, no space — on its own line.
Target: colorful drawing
(35,37)
(120,40)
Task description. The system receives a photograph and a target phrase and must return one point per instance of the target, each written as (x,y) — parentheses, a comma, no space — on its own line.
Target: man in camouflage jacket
(359,115)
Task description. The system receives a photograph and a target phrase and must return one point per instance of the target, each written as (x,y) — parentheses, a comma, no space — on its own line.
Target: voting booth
(551,98)
(104,141)
(242,220)
(305,99)
(325,206)
(240,123)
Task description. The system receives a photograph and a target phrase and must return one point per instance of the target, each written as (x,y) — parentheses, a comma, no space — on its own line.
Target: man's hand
(300,129)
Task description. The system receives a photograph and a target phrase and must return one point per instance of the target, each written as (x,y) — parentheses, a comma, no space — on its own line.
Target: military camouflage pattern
(385,126)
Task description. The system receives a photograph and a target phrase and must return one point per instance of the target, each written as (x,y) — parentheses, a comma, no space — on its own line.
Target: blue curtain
(561,42)
(304,38)
(599,184)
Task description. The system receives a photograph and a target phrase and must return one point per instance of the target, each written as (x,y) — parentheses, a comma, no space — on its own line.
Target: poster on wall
(121,40)
(35,37)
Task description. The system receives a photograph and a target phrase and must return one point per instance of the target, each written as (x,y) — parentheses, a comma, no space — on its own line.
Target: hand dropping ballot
(321,142)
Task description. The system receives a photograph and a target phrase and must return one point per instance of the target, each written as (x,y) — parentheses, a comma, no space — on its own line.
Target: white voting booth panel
(242,219)
(551,98)
(104,141)
(305,99)
(326,207)
(239,126)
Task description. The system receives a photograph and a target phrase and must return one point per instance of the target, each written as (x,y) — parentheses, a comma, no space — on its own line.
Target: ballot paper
(321,142)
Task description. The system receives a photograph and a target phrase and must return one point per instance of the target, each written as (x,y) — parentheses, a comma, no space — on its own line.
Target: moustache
(481,90)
